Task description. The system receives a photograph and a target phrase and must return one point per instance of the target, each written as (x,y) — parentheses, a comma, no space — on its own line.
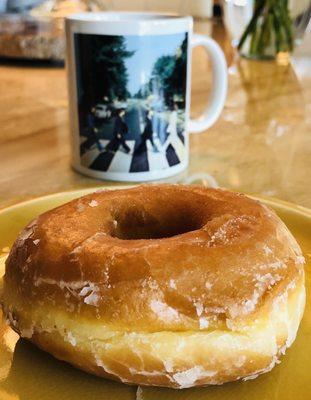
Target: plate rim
(302,210)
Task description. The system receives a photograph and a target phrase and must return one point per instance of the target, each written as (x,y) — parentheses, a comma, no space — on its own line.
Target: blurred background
(260,144)
(23,19)
(34,28)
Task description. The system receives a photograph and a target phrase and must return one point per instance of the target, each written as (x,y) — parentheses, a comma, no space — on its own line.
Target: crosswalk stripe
(178,146)
(156,160)
(121,161)
(171,156)
(140,159)
(89,156)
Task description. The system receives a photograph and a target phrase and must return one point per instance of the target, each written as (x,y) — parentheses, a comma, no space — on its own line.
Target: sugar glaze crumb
(139,393)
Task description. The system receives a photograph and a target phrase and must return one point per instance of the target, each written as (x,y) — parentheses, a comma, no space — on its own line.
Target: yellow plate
(27,373)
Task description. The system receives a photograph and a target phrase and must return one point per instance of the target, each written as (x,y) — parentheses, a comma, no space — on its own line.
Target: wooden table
(261,143)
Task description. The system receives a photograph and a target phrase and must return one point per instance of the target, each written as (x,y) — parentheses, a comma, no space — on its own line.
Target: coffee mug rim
(128,16)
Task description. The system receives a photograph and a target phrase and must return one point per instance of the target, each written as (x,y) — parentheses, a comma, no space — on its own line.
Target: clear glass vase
(266,29)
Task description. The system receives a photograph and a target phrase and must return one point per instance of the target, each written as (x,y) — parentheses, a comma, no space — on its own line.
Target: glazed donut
(164,285)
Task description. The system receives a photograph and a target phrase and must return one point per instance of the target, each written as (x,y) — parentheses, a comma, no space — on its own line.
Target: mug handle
(219,88)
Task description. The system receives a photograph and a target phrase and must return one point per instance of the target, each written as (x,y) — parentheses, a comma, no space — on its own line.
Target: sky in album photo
(146,56)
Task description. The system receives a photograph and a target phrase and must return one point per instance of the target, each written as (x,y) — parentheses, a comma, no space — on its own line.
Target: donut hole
(136,223)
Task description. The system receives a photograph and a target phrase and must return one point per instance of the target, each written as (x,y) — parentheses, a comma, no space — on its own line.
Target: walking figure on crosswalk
(119,131)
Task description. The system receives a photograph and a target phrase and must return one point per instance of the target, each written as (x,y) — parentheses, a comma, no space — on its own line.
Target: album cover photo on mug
(131,101)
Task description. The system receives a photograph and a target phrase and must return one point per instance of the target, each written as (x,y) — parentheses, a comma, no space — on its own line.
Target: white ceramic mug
(129,91)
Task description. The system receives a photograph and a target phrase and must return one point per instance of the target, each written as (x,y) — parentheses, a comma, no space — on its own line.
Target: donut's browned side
(164,285)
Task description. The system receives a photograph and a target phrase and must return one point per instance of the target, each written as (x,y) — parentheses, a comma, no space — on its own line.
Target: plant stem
(270,21)
(253,22)
(264,36)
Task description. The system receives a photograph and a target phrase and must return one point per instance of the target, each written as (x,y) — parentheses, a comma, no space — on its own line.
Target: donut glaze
(165,285)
